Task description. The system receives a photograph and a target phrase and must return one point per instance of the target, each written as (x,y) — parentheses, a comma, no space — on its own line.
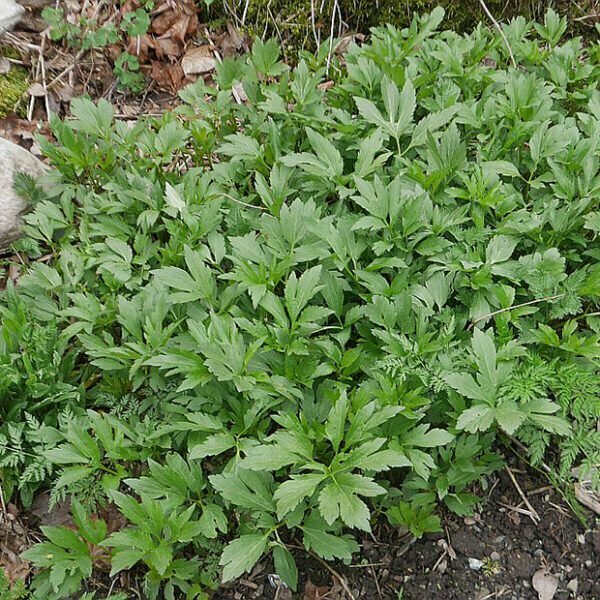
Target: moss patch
(13,85)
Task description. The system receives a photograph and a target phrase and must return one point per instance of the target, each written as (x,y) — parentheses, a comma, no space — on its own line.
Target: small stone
(526,583)
(13,159)
(581,538)
(545,583)
(588,563)
(475,564)
(495,556)
(538,552)
(573,586)
(10,13)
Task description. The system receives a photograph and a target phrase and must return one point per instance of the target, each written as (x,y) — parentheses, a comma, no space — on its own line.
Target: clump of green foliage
(16,591)
(270,323)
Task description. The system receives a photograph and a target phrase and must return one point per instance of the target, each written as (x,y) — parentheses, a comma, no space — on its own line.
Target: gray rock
(10,13)
(13,159)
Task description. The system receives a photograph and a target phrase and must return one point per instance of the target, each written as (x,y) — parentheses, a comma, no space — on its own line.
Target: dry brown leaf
(163,22)
(139,46)
(60,515)
(180,27)
(315,592)
(545,584)
(36,4)
(239,93)
(167,77)
(129,6)
(198,60)
(588,497)
(64,93)
(166,46)
(13,541)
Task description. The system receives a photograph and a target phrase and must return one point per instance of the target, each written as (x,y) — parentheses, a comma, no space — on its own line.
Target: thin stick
(245,13)
(44,82)
(313,24)
(518,509)
(339,577)
(514,307)
(242,203)
(439,560)
(523,496)
(500,31)
(524,449)
(545,488)
(2,502)
(333,11)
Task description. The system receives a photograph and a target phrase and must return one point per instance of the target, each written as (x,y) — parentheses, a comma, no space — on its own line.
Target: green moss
(13,86)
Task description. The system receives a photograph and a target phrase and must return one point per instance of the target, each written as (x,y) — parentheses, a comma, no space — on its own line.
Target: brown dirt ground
(510,546)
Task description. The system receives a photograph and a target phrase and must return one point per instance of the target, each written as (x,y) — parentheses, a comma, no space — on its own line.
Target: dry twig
(534,515)
(500,31)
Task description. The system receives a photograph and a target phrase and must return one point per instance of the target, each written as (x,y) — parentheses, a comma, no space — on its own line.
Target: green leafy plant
(16,591)
(69,556)
(268,323)
(156,533)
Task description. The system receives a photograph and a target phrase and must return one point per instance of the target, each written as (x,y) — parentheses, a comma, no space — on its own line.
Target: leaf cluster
(265,324)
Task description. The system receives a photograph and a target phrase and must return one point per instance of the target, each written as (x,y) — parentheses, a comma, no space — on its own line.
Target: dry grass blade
(500,31)
(534,515)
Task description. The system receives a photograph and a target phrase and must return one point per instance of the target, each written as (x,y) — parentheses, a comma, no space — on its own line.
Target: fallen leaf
(64,92)
(167,46)
(14,540)
(545,584)
(198,60)
(588,497)
(139,46)
(167,77)
(37,90)
(60,515)
(314,592)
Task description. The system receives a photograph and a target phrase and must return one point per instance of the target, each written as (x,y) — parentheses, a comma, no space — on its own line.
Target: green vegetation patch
(13,87)
(270,323)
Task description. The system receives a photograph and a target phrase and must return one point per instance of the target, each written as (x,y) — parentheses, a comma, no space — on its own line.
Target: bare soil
(494,554)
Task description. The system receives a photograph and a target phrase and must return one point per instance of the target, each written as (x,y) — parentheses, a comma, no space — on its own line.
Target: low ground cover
(305,300)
